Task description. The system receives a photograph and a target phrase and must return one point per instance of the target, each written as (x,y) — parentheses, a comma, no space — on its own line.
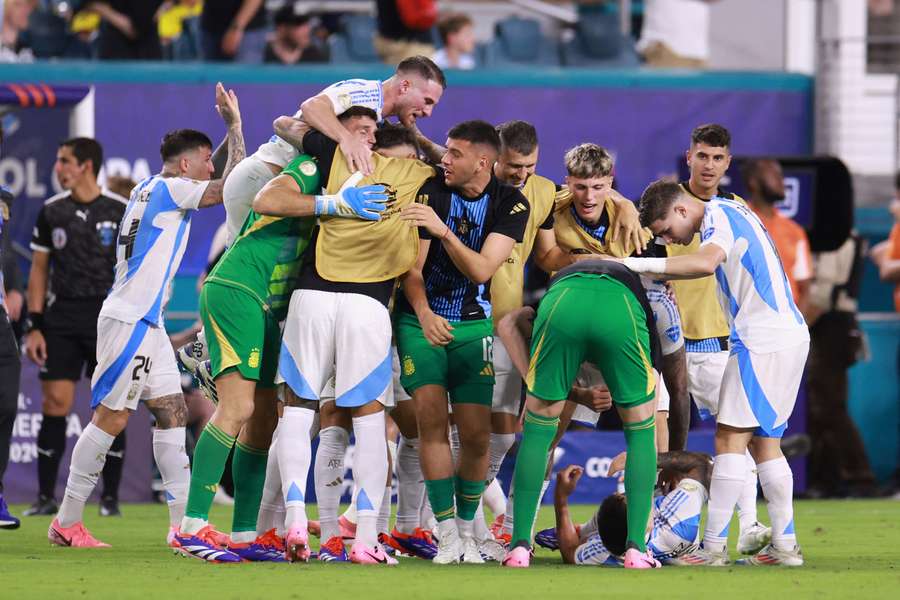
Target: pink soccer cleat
(519,557)
(363,554)
(296,544)
(635,559)
(75,536)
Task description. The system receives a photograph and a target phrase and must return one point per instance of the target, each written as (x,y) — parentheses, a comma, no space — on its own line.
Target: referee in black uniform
(74,244)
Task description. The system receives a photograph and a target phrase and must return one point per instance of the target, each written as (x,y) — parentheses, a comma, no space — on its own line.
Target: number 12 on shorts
(487,346)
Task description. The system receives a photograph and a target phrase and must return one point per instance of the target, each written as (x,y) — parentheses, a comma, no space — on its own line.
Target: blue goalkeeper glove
(365,203)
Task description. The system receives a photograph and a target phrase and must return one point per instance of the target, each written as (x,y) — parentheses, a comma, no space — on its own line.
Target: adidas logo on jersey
(519,207)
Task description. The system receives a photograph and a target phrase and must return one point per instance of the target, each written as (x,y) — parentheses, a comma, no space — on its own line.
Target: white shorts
(241,186)
(507,382)
(589,376)
(341,335)
(760,390)
(704,373)
(665,315)
(135,361)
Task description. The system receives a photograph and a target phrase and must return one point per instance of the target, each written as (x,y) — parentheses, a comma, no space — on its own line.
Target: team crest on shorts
(133,392)
(408,367)
(253,359)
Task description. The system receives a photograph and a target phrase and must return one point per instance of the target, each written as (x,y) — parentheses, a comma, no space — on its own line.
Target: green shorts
(240,334)
(464,367)
(591,318)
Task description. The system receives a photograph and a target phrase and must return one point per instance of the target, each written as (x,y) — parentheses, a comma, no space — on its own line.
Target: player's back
(676,519)
(753,287)
(152,239)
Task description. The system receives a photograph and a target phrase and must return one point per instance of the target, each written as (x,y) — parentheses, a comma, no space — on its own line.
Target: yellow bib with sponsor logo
(571,236)
(508,282)
(357,251)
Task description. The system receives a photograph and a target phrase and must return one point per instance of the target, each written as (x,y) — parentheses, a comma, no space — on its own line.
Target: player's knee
(111,421)
(475,442)
(56,404)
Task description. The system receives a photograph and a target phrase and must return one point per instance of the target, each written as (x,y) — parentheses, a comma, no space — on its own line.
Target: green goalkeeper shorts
(597,319)
(464,367)
(241,335)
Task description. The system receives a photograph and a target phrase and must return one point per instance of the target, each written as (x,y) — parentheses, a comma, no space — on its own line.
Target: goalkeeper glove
(365,203)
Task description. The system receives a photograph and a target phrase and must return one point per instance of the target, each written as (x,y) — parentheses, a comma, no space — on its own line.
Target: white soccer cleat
(471,553)
(772,556)
(492,550)
(449,546)
(191,355)
(754,538)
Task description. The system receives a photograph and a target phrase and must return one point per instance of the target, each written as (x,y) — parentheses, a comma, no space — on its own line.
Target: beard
(770,196)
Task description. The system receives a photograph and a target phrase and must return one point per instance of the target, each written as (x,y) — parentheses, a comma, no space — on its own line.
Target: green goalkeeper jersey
(264,260)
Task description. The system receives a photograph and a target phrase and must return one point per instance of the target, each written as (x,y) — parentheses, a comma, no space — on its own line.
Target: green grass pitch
(852,550)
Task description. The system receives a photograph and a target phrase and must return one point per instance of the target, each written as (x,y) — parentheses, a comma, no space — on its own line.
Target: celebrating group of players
(360,280)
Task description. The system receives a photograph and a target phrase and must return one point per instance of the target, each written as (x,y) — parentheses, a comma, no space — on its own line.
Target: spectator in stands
(458,36)
(675,33)
(234,30)
(404,29)
(128,29)
(13,47)
(765,186)
(179,29)
(292,40)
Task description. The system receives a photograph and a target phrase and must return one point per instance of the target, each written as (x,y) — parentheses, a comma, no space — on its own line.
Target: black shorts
(70,330)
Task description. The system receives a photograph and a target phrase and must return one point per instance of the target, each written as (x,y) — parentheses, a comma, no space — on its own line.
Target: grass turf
(851,550)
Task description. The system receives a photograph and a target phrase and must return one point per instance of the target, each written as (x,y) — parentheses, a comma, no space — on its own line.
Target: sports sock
(350,511)
(531,463)
(174,468)
(112,470)
(383,525)
(468,496)
(746,504)
(210,456)
(640,478)
(440,495)
(329,478)
(482,531)
(249,469)
(271,505)
(87,462)
(369,473)
(294,455)
(728,477)
(777,482)
(51,445)
(494,498)
(499,445)
(410,486)
(509,516)
(426,514)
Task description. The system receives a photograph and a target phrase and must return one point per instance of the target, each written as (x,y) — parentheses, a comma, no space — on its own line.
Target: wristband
(645,265)
(35,322)
(325,205)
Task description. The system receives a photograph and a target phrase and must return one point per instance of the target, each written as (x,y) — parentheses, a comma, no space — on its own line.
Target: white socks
(88,459)
(499,445)
(410,486)
(746,504)
(494,498)
(329,478)
(384,513)
(777,482)
(175,469)
(271,506)
(294,455)
(728,477)
(369,473)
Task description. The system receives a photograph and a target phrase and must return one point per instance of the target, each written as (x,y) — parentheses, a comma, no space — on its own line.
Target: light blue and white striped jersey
(152,238)
(343,95)
(676,520)
(753,289)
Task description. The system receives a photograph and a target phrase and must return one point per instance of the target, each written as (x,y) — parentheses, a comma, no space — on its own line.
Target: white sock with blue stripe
(369,473)
(329,470)
(294,455)
(88,459)
(746,505)
(777,482)
(728,477)
(175,469)
(271,506)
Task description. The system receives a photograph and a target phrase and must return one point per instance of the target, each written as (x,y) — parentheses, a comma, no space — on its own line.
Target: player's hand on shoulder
(357,154)
(422,215)
(227,106)
(628,223)
(437,329)
(567,479)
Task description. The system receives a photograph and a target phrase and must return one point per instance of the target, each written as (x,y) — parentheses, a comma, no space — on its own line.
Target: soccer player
(619,340)
(242,303)
(769,343)
(338,328)
(469,223)
(704,323)
(134,357)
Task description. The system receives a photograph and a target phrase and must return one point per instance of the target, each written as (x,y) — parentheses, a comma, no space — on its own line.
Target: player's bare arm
(674,372)
(690,266)
(548,255)
(628,225)
(228,109)
(433,151)
(318,113)
(515,331)
(35,344)
(291,130)
(437,329)
(566,481)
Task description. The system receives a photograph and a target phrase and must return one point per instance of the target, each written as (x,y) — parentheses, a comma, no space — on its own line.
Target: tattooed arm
(228,109)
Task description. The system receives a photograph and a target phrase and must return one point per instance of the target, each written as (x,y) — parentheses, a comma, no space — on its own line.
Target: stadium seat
(598,42)
(354,42)
(519,41)
(47,35)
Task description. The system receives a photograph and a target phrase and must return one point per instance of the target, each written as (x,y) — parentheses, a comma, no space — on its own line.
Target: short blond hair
(587,161)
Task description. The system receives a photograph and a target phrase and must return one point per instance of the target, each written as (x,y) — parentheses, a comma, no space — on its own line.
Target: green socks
(249,470)
(531,464)
(640,478)
(210,455)
(440,494)
(468,495)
